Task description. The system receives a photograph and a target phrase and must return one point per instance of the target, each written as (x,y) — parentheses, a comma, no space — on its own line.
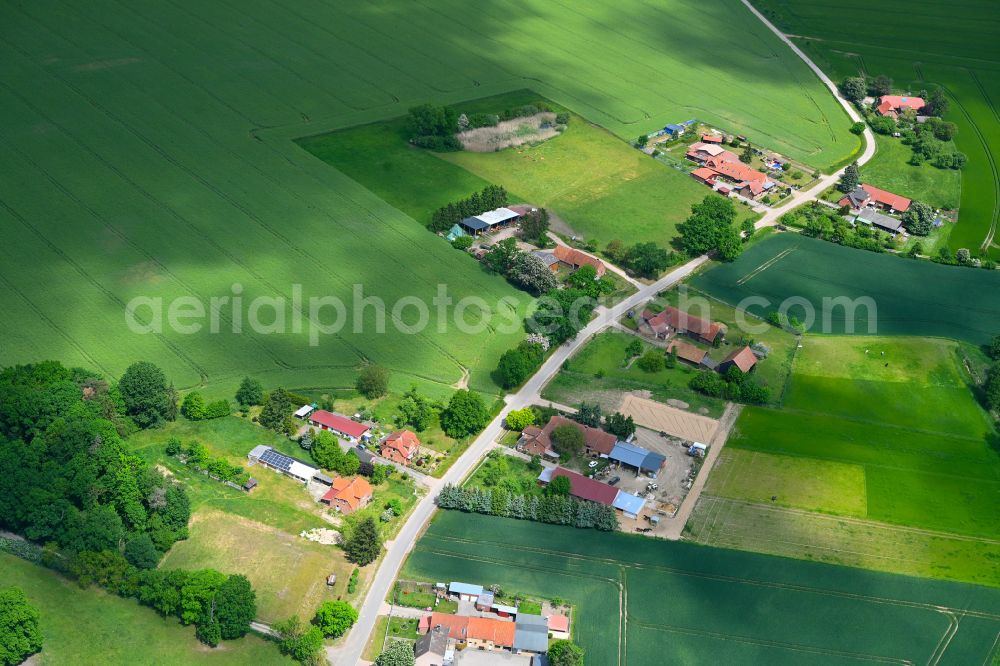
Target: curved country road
(349,652)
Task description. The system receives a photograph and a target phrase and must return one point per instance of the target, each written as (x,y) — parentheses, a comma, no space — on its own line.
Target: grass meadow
(148,152)
(883,433)
(646,601)
(890,170)
(912,48)
(911,297)
(92,627)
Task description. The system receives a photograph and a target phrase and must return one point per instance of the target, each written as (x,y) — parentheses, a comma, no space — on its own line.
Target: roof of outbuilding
(465,588)
(878,219)
(742,358)
(629,503)
(339,423)
(584,487)
(531,633)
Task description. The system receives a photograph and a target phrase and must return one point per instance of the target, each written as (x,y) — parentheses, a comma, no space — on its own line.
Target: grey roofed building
(858,197)
(364,455)
(709,363)
(434,642)
(891,224)
(547,257)
(636,456)
(531,633)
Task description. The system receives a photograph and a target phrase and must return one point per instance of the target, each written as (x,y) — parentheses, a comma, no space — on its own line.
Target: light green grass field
(801,483)
(941,188)
(91,627)
(288,572)
(911,47)
(914,427)
(601,186)
(911,297)
(647,601)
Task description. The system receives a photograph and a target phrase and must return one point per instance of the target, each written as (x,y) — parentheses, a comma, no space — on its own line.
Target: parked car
(614,480)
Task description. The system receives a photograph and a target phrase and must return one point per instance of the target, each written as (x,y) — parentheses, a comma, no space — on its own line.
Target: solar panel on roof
(278,460)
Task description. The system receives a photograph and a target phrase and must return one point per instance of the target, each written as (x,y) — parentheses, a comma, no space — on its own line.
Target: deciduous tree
(567,440)
(250,392)
(396,653)
(148,399)
(334,618)
(235,607)
(373,382)
(565,653)
(466,414)
(20,634)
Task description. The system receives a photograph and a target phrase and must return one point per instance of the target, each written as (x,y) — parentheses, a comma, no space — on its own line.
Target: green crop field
(911,297)
(881,429)
(91,627)
(644,601)
(148,151)
(953,45)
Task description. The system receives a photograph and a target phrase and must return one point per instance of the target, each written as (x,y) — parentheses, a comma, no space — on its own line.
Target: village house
(894,105)
(575,259)
(869,196)
(400,447)
(482,633)
(592,490)
(348,495)
(671,320)
(432,648)
(350,430)
(743,358)
(720,165)
(537,441)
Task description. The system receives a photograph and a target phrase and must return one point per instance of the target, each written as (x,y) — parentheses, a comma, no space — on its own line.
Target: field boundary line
(764,266)
(861,521)
(724,578)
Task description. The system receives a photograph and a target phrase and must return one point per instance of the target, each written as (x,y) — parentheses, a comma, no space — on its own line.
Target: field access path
(800,197)
(396,550)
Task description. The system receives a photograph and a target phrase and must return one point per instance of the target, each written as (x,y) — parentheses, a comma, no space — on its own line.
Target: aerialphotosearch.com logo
(320,316)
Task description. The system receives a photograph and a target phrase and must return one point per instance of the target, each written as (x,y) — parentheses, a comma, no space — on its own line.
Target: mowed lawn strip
(689,592)
(91,627)
(802,483)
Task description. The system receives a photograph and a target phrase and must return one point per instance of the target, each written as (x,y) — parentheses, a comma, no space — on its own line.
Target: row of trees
(221,607)
(553,508)
(197,456)
(194,408)
(991,387)
(711,228)
(489,198)
(433,126)
(825,223)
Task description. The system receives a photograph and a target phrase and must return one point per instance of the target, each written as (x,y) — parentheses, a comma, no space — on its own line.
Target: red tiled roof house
(894,105)
(343,426)
(538,441)
(400,447)
(672,320)
(348,495)
(868,195)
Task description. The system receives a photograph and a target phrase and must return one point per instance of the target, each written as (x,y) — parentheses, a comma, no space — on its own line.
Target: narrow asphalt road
(800,197)
(349,652)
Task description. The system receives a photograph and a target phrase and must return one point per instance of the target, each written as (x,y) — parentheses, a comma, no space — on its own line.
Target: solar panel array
(277,460)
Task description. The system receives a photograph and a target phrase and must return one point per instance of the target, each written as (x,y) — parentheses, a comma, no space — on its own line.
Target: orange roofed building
(743,359)
(894,105)
(478,632)
(575,259)
(400,447)
(348,495)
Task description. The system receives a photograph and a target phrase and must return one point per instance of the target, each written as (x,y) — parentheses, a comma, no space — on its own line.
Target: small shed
(465,591)
(673,129)
(304,411)
(331,580)
(250,484)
